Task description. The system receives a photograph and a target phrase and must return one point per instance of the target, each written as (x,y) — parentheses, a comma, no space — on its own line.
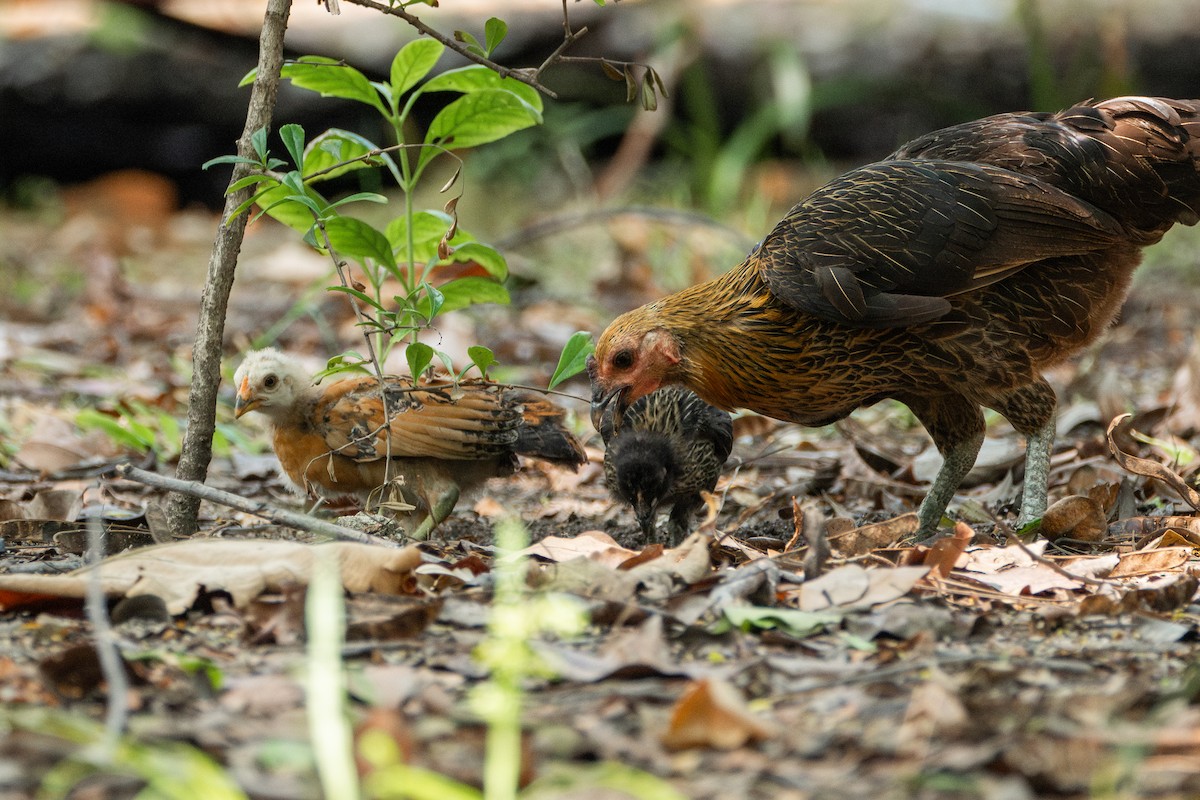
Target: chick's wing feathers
(885,244)
(465,423)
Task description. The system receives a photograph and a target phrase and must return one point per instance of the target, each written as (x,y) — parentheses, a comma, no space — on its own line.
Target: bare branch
(278,515)
(210,325)
(525,76)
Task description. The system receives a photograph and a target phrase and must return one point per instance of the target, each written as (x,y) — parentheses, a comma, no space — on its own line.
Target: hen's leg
(956,426)
(1030,409)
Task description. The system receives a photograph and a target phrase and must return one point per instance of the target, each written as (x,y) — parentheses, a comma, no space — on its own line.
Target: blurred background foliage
(767,100)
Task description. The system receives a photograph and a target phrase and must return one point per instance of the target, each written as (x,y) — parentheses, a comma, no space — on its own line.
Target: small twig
(1012,538)
(525,76)
(259,509)
(113,669)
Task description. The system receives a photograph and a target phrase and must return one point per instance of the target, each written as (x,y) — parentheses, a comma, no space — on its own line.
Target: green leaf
(352,237)
(494,30)
(91,419)
(465,292)
(258,140)
(362,296)
(485,256)
(481,357)
(331,78)
(478,118)
(477,78)
(428,227)
(573,358)
(412,63)
(334,146)
(360,197)
(293,139)
(473,45)
(248,78)
(419,356)
(434,299)
(212,162)
(649,98)
(796,622)
(250,180)
(294,215)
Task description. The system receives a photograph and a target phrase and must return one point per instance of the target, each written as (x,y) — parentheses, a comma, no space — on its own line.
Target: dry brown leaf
(60,504)
(871,537)
(934,710)
(243,568)
(1144,562)
(1078,517)
(594,545)
(712,713)
(946,553)
(852,587)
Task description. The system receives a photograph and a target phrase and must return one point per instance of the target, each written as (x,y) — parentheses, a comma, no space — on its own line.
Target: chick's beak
(645,509)
(246,401)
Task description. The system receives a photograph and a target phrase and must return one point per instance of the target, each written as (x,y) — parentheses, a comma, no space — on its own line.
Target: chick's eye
(270,382)
(623,359)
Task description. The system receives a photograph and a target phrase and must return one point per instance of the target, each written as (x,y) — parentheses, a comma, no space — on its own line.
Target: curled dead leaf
(945,552)
(1076,517)
(712,713)
(1119,429)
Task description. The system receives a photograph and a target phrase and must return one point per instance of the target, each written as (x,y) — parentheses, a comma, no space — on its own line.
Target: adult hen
(431,441)
(947,276)
(670,446)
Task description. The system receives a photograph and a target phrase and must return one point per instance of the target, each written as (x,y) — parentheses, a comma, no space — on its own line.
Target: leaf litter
(794,646)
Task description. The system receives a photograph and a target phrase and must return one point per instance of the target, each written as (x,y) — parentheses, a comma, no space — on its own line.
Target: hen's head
(633,358)
(268,381)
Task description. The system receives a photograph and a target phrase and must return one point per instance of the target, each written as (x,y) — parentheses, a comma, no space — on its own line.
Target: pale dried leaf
(1144,562)
(177,572)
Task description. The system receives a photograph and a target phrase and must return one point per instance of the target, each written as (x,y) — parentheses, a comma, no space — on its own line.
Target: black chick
(668,447)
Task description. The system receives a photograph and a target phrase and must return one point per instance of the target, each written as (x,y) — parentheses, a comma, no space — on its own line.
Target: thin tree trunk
(182,510)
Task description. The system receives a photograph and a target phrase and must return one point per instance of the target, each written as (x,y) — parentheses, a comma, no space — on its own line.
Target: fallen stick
(257,508)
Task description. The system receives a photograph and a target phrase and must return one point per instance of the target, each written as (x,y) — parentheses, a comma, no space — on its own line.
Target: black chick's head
(643,473)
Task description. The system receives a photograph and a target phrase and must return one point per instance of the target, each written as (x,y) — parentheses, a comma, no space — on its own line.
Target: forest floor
(988,669)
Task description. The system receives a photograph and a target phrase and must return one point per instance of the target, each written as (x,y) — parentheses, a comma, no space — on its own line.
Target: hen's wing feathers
(464,423)
(700,420)
(885,244)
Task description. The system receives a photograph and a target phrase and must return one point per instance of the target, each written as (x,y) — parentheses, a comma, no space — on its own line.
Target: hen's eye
(623,359)
(270,382)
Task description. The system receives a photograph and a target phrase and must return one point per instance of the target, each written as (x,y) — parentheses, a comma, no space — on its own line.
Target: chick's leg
(440,507)
(956,426)
(680,521)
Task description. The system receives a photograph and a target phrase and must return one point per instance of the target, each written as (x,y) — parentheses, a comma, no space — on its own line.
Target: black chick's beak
(646,510)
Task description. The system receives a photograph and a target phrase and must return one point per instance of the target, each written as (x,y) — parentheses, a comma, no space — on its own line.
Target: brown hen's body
(428,444)
(948,276)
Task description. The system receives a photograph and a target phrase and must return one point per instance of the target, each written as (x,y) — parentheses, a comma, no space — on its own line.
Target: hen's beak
(246,401)
(600,402)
